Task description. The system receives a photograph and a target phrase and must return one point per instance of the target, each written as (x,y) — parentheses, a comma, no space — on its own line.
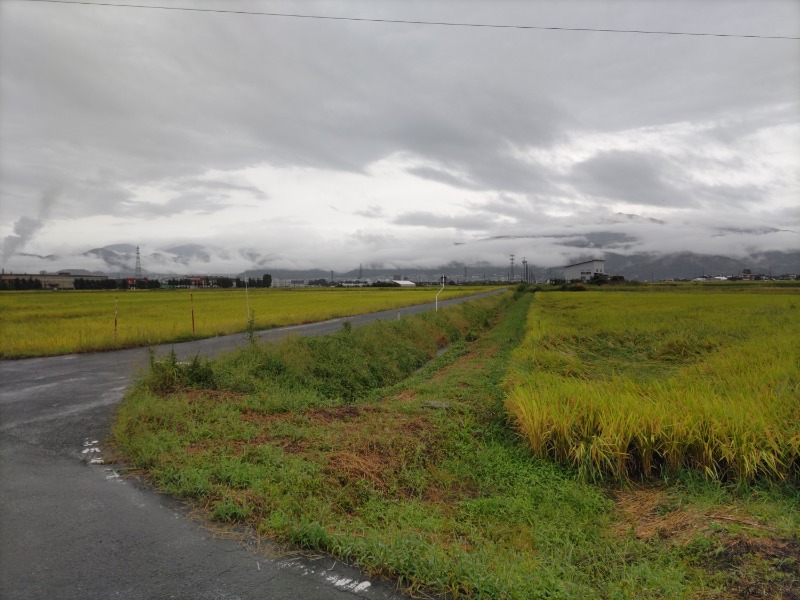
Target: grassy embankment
(46,323)
(630,384)
(425,482)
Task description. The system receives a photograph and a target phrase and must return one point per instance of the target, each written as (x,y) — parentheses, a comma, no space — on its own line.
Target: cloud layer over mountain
(299,143)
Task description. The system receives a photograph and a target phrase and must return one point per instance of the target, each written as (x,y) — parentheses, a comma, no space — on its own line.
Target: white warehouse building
(584,270)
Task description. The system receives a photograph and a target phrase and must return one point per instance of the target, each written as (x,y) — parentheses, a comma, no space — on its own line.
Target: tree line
(81,283)
(20,283)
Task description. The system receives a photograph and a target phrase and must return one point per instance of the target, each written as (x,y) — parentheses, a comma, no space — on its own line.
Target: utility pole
(525,264)
(511,276)
(465,274)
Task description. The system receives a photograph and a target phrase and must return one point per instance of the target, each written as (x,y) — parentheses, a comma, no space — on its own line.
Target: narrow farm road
(70,527)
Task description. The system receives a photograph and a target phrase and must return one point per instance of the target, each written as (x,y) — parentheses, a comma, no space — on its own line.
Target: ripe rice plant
(46,323)
(639,385)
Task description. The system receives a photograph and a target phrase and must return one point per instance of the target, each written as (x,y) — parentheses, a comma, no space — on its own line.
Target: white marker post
(246,299)
(437,295)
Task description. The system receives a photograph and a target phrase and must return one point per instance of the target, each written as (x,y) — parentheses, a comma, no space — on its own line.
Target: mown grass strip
(628,385)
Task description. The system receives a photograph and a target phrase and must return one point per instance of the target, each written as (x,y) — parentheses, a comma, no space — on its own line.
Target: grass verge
(423,481)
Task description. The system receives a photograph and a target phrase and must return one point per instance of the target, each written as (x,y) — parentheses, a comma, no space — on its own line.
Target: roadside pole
(439,292)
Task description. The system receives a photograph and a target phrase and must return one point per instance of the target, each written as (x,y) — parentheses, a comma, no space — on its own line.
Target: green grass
(48,323)
(416,475)
(629,384)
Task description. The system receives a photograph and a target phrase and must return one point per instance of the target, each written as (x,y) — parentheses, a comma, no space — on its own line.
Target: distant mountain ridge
(119,260)
(642,267)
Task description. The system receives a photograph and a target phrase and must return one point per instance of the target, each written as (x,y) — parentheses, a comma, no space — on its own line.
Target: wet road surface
(70,527)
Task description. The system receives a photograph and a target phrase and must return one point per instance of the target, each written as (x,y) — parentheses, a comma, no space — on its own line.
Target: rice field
(44,323)
(628,385)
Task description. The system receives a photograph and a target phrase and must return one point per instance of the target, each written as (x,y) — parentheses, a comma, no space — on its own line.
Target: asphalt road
(70,527)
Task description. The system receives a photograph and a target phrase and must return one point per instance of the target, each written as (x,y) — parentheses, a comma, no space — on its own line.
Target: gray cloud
(219,187)
(440,176)
(26,227)
(629,176)
(112,100)
(751,230)
(634,218)
(371,212)
(478,222)
(191,202)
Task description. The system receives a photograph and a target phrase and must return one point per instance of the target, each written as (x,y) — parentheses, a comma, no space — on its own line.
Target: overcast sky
(292,142)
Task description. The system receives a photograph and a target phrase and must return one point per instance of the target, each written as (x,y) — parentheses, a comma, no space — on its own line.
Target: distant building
(404,283)
(584,271)
(289,283)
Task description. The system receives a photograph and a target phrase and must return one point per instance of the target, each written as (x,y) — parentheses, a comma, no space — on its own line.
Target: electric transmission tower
(137,273)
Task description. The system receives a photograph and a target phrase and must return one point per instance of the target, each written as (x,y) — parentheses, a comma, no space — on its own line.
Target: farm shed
(584,270)
(404,283)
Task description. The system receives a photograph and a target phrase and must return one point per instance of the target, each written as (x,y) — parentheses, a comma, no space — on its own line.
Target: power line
(410,22)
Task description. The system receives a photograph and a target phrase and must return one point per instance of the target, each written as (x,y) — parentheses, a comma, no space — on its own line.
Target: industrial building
(584,271)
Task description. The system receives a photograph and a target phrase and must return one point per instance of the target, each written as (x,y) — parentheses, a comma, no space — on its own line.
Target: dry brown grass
(741,553)
(645,513)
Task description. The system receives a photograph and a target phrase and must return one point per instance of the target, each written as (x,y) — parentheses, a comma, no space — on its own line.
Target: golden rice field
(626,385)
(46,323)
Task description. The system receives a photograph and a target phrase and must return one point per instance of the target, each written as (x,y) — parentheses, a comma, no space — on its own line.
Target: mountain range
(119,260)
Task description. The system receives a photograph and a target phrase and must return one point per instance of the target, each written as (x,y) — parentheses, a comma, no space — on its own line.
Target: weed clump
(167,374)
